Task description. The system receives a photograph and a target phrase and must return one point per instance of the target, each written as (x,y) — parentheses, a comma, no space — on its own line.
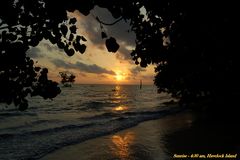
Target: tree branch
(109,24)
(4,27)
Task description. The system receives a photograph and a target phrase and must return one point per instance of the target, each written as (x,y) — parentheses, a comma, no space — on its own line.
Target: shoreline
(143,141)
(182,133)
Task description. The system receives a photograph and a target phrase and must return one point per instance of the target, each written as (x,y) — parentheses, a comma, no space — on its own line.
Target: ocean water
(79,113)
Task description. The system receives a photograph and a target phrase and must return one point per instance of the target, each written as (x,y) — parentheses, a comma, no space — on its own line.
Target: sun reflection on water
(120,108)
(117,98)
(121,145)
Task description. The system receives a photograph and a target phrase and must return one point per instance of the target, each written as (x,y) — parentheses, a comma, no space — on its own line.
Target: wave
(28,125)
(45,131)
(13,113)
(95,105)
(36,144)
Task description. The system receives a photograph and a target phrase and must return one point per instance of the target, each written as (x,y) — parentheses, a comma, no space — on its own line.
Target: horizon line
(109,84)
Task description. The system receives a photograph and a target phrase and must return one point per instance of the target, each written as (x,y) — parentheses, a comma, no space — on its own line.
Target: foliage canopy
(193,44)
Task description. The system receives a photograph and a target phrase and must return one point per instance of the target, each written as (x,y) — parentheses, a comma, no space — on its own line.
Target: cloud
(124,54)
(50,47)
(120,30)
(44,50)
(82,74)
(88,68)
(93,68)
(91,27)
(34,53)
(62,64)
(136,70)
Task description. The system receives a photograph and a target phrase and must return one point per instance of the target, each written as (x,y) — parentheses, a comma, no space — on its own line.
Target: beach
(184,135)
(94,122)
(144,141)
(80,113)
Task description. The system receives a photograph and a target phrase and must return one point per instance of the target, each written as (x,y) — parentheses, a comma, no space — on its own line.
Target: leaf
(64,29)
(79,47)
(71,37)
(37,69)
(34,42)
(136,62)
(82,48)
(78,38)
(83,39)
(73,29)
(112,45)
(72,21)
(70,52)
(143,64)
(104,35)
(60,45)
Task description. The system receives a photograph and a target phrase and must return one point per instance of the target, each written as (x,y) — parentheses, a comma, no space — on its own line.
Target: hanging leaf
(104,35)
(79,47)
(64,29)
(78,38)
(70,52)
(82,48)
(83,39)
(143,63)
(73,29)
(60,45)
(37,69)
(71,37)
(136,62)
(112,45)
(72,21)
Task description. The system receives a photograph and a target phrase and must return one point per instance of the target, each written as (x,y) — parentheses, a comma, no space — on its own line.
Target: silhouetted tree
(193,44)
(67,78)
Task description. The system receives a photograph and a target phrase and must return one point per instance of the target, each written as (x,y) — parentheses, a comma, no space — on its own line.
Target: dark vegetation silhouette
(193,44)
(67,78)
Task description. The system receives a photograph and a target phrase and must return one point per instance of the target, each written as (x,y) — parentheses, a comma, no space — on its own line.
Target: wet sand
(144,141)
(181,133)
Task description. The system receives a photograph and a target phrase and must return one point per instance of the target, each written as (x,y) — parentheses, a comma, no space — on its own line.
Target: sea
(77,114)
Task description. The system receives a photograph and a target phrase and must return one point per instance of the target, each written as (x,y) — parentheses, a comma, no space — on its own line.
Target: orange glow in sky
(120,76)
(96,65)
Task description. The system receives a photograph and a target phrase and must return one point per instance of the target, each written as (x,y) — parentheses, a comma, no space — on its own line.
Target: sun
(120,76)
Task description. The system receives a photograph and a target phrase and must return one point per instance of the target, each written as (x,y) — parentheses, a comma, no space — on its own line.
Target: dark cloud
(63,64)
(136,70)
(92,68)
(39,52)
(50,47)
(124,54)
(92,28)
(120,31)
(34,53)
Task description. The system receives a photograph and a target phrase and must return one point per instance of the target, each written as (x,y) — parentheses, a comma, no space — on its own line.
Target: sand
(161,139)
(144,141)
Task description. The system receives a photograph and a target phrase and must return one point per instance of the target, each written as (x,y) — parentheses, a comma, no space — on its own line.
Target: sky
(96,65)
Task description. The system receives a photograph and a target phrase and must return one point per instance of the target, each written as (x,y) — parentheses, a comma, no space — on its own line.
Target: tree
(193,44)
(67,78)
